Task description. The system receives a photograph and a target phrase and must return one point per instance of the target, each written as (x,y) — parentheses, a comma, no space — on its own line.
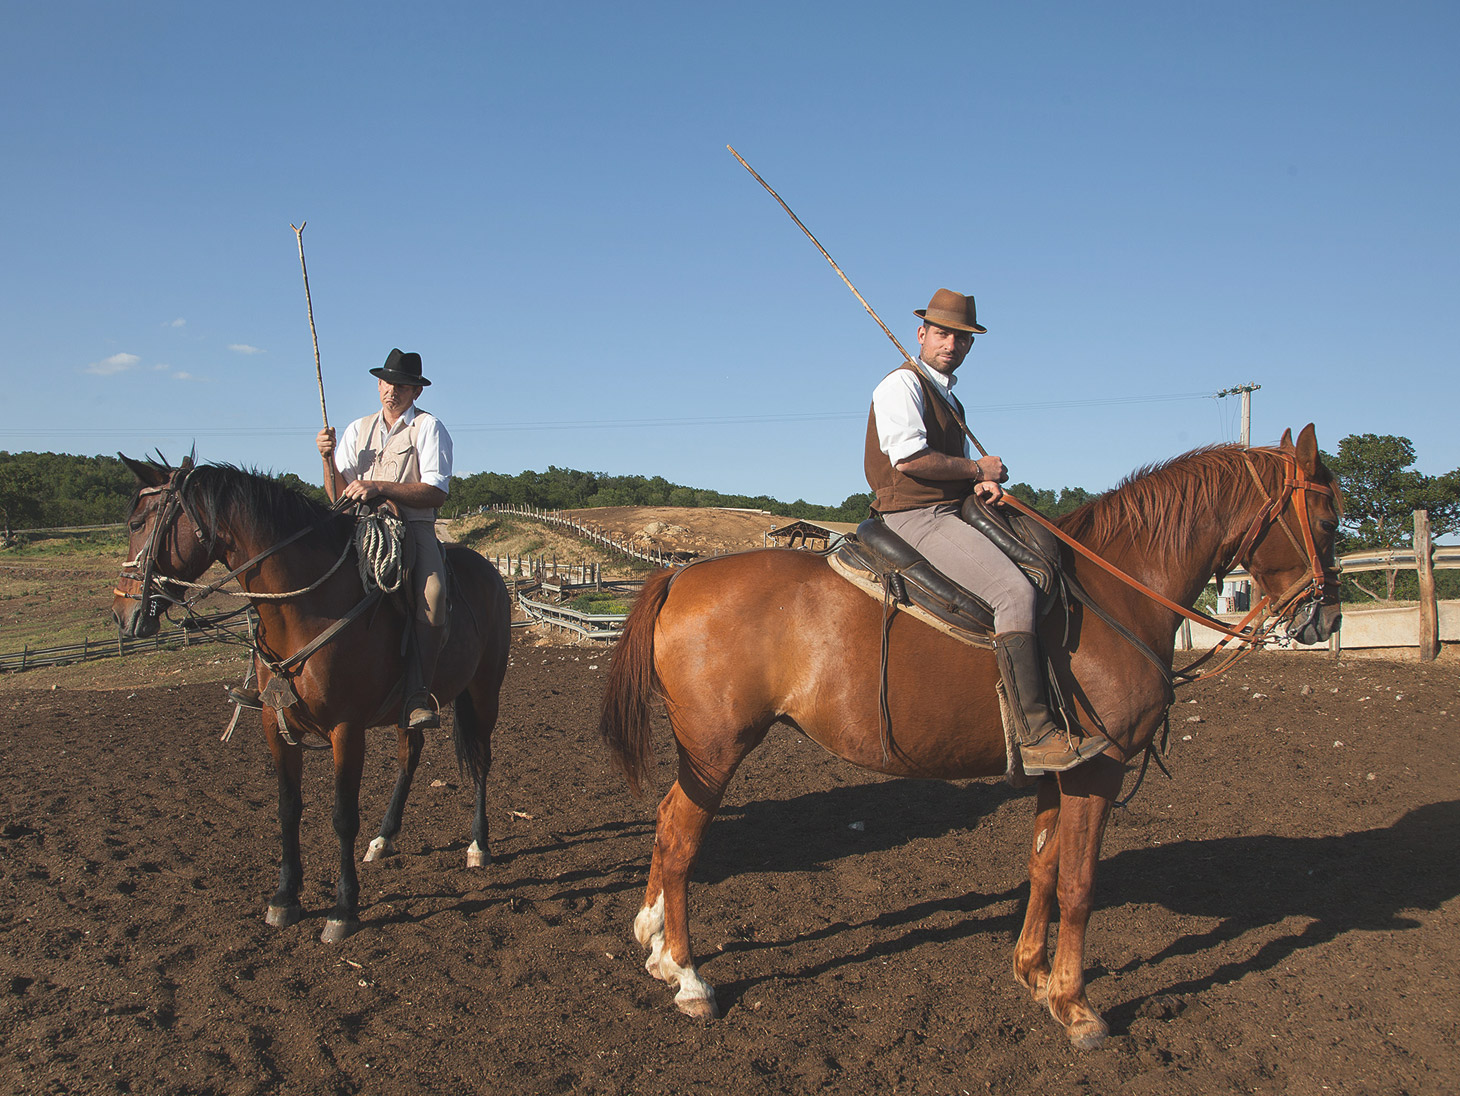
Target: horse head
(165,540)
(1288,548)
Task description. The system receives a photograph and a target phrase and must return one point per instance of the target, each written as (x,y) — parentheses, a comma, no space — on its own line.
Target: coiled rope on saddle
(380,548)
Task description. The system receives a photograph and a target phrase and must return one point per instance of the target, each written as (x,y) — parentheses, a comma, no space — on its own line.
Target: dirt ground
(704,531)
(1284,916)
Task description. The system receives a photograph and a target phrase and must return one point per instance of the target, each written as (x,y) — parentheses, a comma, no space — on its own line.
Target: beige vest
(393,459)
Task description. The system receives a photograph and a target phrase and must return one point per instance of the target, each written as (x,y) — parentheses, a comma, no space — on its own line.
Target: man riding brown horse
(920,468)
(400,454)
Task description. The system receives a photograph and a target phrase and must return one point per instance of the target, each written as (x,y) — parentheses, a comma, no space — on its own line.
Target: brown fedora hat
(402,367)
(951,310)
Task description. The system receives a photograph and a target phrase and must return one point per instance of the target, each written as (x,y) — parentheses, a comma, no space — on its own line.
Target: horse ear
(1287,442)
(149,475)
(192,458)
(1308,451)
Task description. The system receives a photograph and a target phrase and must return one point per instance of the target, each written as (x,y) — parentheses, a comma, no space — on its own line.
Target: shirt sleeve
(433,451)
(897,405)
(347,452)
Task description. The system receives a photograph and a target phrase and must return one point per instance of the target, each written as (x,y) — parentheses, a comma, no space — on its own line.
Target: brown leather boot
(245,696)
(1044,747)
(419,711)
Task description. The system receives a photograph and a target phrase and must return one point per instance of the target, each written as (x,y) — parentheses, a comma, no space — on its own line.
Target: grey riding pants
(970,559)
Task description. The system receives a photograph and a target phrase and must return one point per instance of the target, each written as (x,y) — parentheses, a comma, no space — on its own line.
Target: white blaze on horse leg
(477,857)
(649,932)
(379,849)
(695,996)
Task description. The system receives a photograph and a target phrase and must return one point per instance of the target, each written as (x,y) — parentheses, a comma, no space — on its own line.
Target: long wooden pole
(313,334)
(826,255)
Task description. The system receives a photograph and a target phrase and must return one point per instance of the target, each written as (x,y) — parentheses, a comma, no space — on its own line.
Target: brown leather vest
(895,489)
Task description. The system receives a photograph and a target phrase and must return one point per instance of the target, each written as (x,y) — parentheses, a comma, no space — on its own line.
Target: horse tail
(473,748)
(633,684)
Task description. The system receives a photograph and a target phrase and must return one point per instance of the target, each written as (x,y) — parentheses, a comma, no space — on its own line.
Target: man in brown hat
(920,468)
(403,454)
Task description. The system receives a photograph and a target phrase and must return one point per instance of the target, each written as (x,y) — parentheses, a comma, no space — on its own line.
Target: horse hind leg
(408,756)
(662,924)
(475,718)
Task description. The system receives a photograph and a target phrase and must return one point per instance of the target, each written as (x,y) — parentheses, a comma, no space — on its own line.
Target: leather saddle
(876,557)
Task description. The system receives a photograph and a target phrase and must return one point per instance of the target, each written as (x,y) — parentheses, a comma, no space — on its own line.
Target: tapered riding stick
(825,255)
(318,372)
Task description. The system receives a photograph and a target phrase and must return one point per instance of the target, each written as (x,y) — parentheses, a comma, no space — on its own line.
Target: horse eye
(1328,525)
(136,526)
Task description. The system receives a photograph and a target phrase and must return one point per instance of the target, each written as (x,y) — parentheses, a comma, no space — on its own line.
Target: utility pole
(1246,390)
(1240,592)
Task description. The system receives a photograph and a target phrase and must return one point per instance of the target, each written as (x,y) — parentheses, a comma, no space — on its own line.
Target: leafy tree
(1381,491)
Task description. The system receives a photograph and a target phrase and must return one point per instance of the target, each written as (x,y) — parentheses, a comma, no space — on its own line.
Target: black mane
(266,507)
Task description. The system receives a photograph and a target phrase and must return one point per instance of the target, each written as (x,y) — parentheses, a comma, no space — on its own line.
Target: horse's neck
(292,567)
(1207,536)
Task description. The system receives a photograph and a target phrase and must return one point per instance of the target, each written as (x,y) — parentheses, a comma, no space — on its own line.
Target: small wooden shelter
(816,536)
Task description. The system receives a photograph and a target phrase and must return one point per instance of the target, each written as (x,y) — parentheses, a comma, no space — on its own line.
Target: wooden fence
(593,535)
(30,658)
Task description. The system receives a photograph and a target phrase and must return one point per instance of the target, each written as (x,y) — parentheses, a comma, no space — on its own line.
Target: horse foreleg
(284,908)
(349,744)
(408,756)
(662,925)
(1086,795)
(1031,953)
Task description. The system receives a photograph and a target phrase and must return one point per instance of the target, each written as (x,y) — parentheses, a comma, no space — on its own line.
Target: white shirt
(897,405)
(433,447)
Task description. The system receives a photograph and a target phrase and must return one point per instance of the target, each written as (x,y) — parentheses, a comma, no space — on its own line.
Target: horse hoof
(1088,1034)
(379,849)
(335,930)
(281,917)
(477,857)
(701,1008)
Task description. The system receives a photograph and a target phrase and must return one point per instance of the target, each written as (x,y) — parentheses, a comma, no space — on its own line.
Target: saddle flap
(877,549)
(1033,548)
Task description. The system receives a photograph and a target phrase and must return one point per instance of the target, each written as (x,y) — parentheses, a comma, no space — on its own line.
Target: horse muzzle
(138,619)
(1314,622)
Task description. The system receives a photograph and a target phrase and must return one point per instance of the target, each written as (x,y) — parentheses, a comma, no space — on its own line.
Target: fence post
(1429,609)
(24,650)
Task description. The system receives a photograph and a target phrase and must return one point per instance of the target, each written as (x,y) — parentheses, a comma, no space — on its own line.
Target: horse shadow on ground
(1367,880)
(809,831)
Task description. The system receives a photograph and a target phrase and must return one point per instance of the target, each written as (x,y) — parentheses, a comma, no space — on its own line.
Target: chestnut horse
(738,643)
(281,543)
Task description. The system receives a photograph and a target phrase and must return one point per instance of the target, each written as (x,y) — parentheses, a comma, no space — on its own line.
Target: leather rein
(175,502)
(1270,611)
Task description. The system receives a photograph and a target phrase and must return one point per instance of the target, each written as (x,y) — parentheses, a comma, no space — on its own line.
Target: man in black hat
(403,454)
(920,469)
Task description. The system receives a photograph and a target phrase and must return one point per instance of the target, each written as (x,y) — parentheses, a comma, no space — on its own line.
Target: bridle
(142,569)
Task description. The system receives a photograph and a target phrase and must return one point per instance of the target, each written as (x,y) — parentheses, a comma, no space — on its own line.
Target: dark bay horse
(184,519)
(738,643)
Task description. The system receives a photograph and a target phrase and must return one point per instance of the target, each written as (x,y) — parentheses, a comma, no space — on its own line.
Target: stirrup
(245,696)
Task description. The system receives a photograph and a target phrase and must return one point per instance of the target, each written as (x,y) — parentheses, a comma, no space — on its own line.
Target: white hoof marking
(477,857)
(379,849)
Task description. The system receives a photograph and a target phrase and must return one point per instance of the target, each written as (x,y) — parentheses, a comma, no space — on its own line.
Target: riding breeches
(428,572)
(971,560)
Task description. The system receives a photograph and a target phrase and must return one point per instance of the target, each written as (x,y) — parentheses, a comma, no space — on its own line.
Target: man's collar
(407,417)
(947,380)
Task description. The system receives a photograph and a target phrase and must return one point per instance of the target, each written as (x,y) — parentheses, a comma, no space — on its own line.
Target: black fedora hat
(401,368)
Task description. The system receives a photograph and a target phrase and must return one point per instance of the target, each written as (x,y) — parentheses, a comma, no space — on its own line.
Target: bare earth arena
(1291,926)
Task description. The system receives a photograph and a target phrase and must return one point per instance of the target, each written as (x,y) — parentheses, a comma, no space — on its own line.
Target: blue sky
(1151,202)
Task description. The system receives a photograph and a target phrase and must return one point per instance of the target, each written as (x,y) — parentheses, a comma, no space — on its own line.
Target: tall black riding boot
(1044,747)
(419,711)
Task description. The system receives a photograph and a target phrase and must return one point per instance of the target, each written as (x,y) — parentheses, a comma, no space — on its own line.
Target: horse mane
(1153,506)
(271,509)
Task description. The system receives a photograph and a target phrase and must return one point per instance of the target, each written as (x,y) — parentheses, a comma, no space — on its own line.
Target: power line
(583,424)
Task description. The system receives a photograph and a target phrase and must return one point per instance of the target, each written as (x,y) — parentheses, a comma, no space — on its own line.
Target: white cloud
(244,348)
(179,322)
(161,367)
(117,363)
(182,375)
